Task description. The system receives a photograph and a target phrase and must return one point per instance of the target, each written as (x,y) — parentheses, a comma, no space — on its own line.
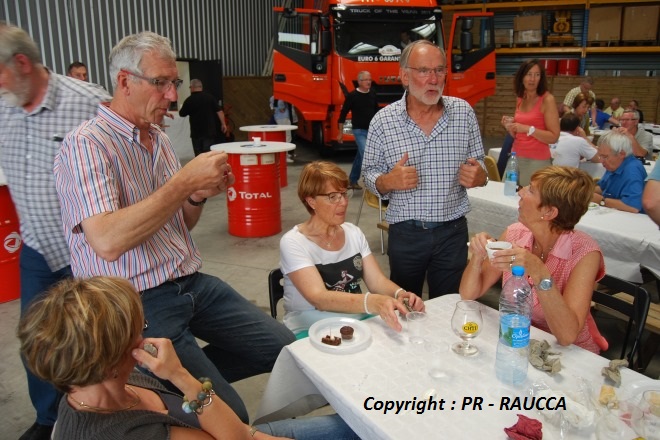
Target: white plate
(361,335)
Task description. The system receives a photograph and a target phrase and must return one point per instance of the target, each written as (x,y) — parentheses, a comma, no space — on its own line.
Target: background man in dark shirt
(363,105)
(204,112)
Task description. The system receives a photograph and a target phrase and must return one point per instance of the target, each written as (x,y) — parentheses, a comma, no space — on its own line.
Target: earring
(542,217)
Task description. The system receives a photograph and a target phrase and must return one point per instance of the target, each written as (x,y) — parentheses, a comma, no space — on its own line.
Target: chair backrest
(491,168)
(275,290)
(636,312)
(373,200)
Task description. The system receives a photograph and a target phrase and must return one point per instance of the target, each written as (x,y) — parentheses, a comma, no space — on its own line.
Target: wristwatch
(545,284)
(487,180)
(531,130)
(602,202)
(194,203)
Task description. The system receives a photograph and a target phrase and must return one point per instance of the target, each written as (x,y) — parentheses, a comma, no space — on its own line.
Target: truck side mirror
(466,41)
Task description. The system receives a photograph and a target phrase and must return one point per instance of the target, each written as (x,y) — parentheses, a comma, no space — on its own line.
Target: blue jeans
(439,254)
(36,278)
(361,141)
(311,428)
(243,341)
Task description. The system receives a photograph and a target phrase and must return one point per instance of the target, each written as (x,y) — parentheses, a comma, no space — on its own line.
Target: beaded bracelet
(366,310)
(204,398)
(399,290)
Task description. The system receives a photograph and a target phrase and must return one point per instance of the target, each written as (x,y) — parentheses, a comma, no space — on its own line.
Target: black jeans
(436,252)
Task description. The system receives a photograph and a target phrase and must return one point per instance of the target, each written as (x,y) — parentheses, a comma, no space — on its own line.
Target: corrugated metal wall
(236,31)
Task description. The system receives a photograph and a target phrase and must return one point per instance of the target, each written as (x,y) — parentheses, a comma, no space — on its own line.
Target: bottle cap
(518,271)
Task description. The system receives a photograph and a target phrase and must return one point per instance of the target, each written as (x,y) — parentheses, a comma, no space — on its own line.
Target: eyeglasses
(162,85)
(424,72)
(335,197)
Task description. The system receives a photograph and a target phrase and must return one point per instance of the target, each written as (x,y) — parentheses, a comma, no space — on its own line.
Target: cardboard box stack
(528,29)
(503,37)
(640,23)
(605,24)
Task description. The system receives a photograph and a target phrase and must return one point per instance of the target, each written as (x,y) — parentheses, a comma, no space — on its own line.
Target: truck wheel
(319,142)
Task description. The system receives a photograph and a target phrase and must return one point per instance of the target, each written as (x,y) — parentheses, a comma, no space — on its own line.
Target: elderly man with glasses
(641,140)
(622,185)
(128,207)
(423,153)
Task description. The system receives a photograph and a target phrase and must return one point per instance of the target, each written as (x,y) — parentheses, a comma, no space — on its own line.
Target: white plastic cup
(416,323)
(256,141)
(494,246)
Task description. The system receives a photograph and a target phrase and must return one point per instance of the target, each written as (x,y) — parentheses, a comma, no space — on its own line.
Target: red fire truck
(320,49)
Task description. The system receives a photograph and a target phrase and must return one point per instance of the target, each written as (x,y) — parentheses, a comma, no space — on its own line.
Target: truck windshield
(355,38)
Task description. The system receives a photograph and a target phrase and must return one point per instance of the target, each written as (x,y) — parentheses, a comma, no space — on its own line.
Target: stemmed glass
(466,323)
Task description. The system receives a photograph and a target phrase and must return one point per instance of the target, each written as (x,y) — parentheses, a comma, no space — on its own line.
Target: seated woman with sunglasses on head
(324,259)
(85,337)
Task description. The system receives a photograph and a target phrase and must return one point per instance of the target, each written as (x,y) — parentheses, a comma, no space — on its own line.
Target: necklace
(329,242)
(537,246)
(108,410)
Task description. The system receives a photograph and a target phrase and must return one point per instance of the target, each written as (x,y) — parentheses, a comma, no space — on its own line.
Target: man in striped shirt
(422,154)
(37,108)
(128,207)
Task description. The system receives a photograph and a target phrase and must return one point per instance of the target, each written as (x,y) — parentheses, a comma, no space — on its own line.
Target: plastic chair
(631,301)
(491,168)
(375,202)
(275,290)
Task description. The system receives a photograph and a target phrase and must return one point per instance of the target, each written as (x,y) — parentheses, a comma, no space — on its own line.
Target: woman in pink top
(562,264)
(536,121)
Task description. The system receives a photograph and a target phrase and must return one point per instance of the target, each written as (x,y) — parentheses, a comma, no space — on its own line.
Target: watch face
(545,284)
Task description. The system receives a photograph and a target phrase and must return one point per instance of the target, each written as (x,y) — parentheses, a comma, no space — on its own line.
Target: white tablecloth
(391,369)
(495,153)
(178,130)
(594,169)
(627,240)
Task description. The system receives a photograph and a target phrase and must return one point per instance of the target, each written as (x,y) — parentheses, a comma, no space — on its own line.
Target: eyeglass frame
(425,72)
(345,194)
(162,85)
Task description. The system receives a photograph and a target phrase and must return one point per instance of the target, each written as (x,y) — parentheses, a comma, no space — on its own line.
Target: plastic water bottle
(515,317)
(511,176)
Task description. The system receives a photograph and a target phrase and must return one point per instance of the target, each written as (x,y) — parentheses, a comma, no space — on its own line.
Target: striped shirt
(438,197)
(102,167)
(28,145)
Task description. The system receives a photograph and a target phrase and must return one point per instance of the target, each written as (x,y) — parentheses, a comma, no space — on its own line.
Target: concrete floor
(243,263)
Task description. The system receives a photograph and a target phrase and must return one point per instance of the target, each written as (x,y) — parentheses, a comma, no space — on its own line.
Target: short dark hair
(600,104)
(74,65)
(525,67)
(569,122)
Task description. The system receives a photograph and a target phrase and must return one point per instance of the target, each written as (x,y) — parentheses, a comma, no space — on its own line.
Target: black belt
(429,225)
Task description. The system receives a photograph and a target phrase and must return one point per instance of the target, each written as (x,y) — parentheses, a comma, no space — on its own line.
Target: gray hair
(128,53)
(196,83)
(14,40)
(362,73)
(635,113)
(407,51)
(617,142)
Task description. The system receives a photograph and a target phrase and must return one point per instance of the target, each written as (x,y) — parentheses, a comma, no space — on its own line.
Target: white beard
(10,98)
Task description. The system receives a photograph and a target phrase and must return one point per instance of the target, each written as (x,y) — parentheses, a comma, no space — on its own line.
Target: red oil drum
(568,67)
(253,202)
(276,133)
(10,288)
(550,66)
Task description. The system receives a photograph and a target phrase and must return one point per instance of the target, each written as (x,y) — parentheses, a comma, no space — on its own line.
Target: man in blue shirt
(622,185)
